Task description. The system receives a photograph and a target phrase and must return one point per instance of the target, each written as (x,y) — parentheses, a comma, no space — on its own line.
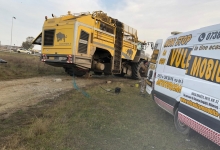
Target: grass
(106,121)
(23,66)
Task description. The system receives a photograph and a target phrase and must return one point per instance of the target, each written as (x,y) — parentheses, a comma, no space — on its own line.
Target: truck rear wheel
(75,71)
(135,70)
(98,73)
(120,75)
(181,127)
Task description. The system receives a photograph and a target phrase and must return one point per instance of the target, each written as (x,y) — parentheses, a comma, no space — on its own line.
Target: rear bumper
(63,60)
(57,58)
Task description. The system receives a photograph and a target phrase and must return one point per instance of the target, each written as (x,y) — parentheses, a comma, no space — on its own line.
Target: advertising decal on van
(201,102)
(182,40)
(186,82)
(214,35)
(170,83)
(204,68)
(179,57)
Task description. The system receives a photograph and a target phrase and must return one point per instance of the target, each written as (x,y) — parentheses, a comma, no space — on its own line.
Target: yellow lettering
(169,85)
(183,40)
(203,68)
(209,69)
(165,45)
(183,65)
(156,51)
(164,52)
(158,82)
(188,59)
(173,56)
(214,70)
(187,62)
(216,114)
(217,75)
(189,37)
(162,61)
(174,40)
(178,57)
(178,41)
(195,67)
(170,42)
(209,110)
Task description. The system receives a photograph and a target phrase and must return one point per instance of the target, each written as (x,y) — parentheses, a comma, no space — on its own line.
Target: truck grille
(83,42)
(49,37)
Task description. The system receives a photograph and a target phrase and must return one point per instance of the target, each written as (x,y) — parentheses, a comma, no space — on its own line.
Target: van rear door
(152,65)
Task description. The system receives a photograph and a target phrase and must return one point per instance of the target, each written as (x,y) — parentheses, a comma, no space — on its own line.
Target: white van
(184,79)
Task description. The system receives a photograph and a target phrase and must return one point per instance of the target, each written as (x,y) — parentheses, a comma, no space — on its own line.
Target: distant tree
(28,43)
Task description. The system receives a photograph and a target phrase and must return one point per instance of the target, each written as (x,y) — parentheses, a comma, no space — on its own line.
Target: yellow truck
(84,42)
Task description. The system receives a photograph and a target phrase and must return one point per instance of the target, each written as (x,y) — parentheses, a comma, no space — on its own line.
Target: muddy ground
(22,93)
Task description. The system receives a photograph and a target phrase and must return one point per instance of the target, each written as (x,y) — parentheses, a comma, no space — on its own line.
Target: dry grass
(23,66)
(14,143)
(39,127)
(108,121)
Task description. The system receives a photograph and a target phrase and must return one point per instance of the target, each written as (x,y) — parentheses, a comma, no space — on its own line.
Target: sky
(153,19)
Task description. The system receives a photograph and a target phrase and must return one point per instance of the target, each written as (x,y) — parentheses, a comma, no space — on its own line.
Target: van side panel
(164,101)
(188,75)
(200,99)
(171,68)
(201,123)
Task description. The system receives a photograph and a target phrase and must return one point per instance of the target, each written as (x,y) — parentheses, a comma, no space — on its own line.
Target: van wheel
(181,127)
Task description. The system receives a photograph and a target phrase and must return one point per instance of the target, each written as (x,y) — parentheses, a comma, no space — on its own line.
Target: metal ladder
(118,48)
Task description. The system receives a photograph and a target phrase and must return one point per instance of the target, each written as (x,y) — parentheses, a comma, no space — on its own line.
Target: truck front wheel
(135,70)
(181,127)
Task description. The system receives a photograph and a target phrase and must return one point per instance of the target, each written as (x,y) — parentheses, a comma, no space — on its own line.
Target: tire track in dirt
(22,93)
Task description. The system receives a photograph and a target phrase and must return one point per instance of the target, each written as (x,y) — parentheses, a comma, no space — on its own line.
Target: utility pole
(11,32)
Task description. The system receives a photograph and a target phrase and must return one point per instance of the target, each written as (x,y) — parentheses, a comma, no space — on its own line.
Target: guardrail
(11,51)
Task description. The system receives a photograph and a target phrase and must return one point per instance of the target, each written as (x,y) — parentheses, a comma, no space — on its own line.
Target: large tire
(181,127)
(75,71)
(107,74)
(65,69)
(120,75)
(135,70)
(98,73)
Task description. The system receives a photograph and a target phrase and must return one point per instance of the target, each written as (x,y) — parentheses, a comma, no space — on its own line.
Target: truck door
(152,65)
